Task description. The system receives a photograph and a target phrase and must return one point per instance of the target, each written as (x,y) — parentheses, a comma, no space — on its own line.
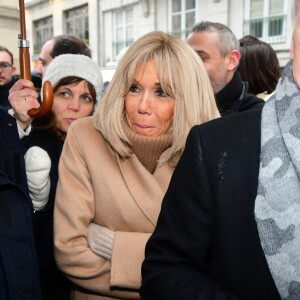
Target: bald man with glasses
(7,78)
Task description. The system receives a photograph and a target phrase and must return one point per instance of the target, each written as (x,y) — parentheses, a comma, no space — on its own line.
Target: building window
(77,23)
(43,31)
(123,30)
(266,19)
(182,17)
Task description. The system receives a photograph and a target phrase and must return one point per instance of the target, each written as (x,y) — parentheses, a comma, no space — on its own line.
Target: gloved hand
(38,166)
(101,239)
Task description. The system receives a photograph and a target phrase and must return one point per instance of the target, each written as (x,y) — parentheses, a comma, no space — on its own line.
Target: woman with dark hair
(77,85)
(258,66)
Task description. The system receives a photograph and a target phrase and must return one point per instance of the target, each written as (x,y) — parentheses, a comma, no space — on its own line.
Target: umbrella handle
(46,106)
(25,69)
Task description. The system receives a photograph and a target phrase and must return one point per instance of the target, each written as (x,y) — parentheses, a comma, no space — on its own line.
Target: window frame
(265,22)
(41,29)
(125,41)
(184,31)
(83,17)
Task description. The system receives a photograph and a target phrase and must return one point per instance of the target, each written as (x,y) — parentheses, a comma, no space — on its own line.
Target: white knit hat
(77,65)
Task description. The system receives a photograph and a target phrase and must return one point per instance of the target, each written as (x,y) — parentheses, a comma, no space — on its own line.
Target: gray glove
(101,239)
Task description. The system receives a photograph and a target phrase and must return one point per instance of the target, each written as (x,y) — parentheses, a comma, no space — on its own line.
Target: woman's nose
(74,104)
(145,104)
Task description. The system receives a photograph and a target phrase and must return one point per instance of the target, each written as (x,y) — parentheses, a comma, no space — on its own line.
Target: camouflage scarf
(277,205)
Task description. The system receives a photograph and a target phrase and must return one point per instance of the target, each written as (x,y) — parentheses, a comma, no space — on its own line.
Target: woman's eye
(134,88)
(87,98)
(203,58)
(64,94)
(161,93)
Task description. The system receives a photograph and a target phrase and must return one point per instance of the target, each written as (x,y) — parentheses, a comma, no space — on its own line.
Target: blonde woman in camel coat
(116,166)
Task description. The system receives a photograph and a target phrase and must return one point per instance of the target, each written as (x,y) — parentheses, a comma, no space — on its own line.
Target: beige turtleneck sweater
(148,149)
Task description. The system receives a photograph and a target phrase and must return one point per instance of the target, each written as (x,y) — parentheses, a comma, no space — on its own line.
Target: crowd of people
(177,180)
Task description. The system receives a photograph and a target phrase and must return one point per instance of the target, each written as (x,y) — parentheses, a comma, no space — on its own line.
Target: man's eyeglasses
(5,65)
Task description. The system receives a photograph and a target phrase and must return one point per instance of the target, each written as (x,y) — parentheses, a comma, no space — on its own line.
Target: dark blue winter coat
(54,284)
(19,276)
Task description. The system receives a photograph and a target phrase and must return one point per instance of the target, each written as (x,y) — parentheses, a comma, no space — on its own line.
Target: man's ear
(14,70)
(234,58)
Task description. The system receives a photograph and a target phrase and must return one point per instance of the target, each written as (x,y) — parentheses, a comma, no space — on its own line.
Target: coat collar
(231,93)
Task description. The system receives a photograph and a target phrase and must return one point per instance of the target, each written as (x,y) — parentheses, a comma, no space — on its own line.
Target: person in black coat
(54,284)
(206,244)
(218,48)
(19,277)
(229,226)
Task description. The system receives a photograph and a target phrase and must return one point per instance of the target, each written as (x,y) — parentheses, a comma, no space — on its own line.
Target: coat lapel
(147,190)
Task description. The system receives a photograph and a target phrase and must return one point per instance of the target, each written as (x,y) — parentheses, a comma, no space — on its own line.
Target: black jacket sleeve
(179,251)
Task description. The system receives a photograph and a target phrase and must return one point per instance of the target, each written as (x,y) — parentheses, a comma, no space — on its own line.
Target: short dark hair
(227,39)
(69,44)
(259,65)
(10,54)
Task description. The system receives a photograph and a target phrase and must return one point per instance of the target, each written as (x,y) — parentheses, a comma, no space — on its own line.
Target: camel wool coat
(96,185)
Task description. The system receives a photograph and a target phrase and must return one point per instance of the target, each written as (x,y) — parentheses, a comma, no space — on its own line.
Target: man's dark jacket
(234,97)
(4,93)
(19,278)
(206,243)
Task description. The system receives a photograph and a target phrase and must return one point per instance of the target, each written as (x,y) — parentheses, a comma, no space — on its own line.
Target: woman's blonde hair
(181,74)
